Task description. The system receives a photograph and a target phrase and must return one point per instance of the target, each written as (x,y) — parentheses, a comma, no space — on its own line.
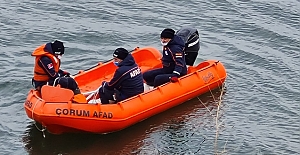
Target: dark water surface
(258,41)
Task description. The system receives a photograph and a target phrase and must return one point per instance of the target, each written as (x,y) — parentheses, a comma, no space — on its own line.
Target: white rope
(92,94)
(43,129)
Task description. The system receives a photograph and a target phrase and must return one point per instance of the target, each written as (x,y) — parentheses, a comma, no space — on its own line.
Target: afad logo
(50,66)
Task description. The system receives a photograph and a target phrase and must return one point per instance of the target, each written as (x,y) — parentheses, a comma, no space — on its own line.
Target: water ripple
(257,41)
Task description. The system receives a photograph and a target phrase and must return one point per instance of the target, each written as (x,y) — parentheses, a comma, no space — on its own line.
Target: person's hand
(174,78)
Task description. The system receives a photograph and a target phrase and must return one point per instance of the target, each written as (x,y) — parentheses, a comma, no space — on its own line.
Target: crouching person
(190,36)
(126,82)
(70,83)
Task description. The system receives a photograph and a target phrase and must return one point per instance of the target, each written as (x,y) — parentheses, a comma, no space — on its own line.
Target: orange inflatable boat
(54,110)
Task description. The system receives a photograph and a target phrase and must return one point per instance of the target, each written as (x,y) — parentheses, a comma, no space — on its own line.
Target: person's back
(127,80)
(131,81)
(190,36)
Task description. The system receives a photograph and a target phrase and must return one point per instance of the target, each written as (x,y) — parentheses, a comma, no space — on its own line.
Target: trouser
(69,83)
(192,49)
(106,95)
(38,84)
(190,58)
(157,77)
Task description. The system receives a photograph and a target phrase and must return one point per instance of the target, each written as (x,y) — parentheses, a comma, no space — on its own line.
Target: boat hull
(64,117)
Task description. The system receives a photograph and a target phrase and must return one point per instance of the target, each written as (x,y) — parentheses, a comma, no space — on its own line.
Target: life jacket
(39,73)
(79,98)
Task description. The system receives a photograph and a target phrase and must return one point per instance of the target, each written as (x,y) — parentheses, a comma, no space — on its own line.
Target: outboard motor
(190,36)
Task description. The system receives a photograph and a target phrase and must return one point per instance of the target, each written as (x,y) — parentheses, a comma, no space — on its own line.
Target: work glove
(174,78)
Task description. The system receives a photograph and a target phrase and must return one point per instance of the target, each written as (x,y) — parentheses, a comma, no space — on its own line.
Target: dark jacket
(128,79)
(190,36)
(192,43)
(44,61)
(173,56)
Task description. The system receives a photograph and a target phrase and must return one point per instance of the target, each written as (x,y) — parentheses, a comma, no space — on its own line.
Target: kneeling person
(127,80)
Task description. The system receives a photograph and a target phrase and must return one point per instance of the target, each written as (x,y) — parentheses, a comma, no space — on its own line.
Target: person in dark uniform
(127,80)
(190,36)
(173,60)
(47,68)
